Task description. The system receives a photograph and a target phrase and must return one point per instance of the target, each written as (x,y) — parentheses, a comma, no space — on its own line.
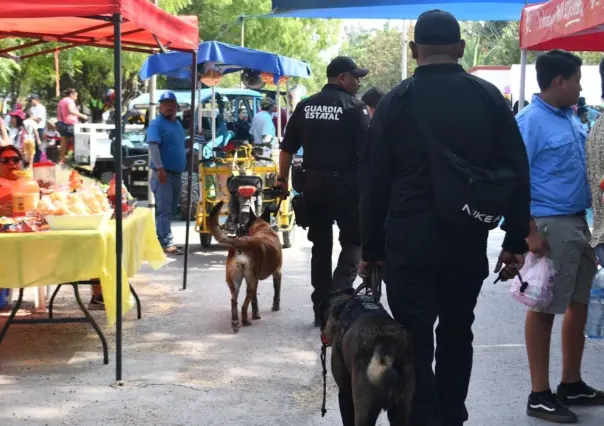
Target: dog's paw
(256,316)
(276,307)
(235,325)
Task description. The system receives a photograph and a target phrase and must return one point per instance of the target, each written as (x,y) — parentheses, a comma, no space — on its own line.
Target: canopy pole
(213,117)
(523,60)
(117,159)
(152,114)
(404,64)
(288,104)
(279,111)
(199,108)
(242,19)
(191,165)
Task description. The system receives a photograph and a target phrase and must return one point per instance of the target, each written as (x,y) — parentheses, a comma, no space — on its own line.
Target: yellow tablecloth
(55,257)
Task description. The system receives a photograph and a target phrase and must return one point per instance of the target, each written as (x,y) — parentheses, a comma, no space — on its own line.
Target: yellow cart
(213,177)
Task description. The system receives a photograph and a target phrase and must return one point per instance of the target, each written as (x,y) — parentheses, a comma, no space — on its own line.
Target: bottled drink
(26,194)
(594,328)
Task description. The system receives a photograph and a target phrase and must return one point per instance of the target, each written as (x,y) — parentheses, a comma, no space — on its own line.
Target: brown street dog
(254,257)
(371,360)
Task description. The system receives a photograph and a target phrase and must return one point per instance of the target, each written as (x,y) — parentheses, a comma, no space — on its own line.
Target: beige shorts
(574,258)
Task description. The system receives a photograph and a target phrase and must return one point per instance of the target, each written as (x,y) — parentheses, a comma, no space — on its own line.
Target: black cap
(343,64)
(437,28)
(372,97)
(33,96)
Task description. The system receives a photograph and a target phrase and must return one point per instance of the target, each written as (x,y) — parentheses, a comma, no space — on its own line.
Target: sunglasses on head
(8,160)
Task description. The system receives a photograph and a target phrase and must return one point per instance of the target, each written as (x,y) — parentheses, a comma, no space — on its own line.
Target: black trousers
(332,198)
(435,272)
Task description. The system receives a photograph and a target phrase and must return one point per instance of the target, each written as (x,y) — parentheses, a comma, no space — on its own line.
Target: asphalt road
(184,366)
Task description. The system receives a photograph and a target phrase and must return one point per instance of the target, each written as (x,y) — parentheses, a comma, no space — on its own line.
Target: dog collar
(324,340)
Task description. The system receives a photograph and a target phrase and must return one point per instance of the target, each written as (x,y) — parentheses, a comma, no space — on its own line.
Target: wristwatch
(282,179)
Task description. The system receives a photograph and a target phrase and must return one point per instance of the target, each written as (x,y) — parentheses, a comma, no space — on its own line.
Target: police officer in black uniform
(331,127)
(431,268)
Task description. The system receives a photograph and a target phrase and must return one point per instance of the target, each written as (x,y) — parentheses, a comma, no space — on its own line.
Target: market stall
(560,24)
(133,25)
(216,59)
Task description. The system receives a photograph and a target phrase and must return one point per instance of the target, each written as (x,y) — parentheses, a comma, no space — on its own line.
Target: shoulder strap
(433,143)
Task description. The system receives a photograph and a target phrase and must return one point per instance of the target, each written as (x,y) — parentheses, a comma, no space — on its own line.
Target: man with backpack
(431,188)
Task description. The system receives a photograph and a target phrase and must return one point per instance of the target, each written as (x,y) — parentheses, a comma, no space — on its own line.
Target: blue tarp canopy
(464,10)
(225,57)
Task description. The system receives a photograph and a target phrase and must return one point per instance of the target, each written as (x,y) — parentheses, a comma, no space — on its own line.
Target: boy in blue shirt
(560,196)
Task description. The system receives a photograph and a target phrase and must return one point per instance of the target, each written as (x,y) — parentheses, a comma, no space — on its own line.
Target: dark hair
(69,92)
(581,101)
(602,75)
(19,121)
(555,63)
(515,107)
(372,96)
(13,148)
(582,110)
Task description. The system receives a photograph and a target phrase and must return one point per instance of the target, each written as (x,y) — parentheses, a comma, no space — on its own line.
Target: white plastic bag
(539,274)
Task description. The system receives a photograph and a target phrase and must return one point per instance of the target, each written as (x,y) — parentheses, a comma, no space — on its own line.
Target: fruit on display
(90,200)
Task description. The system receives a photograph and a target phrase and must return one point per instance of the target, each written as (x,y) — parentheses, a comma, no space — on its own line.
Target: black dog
(371,360)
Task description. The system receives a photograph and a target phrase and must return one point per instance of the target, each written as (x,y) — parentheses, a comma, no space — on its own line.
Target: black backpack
(465,195)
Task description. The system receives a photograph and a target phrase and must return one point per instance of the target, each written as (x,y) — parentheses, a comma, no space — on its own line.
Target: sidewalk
(184,366)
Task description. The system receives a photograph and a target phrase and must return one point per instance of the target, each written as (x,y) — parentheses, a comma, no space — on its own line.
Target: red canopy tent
(76,22)
(134,25)
(575,25)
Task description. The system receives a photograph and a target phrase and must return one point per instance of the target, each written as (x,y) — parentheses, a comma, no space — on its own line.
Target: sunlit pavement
(184,366)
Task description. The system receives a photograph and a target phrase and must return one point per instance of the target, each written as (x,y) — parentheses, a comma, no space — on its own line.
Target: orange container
(26,193)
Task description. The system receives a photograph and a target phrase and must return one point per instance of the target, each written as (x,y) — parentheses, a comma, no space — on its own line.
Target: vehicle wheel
(194,195)
(206,240)
(289,237)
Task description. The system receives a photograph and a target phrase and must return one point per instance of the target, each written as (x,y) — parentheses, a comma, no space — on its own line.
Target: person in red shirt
(67,116)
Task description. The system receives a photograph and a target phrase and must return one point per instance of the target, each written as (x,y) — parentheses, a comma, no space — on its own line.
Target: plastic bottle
(26,194)
(594,327)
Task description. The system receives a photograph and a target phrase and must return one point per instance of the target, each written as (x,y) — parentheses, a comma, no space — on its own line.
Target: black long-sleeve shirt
(465,113)
(331,126)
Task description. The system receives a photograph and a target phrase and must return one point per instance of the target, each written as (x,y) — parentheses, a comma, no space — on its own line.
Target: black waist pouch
(300,210)
(298,177)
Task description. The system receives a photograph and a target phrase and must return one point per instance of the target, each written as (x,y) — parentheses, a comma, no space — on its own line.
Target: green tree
(88,69)
(378,50)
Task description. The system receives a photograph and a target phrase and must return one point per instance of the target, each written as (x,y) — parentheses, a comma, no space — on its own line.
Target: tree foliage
(487,43)
(90,70)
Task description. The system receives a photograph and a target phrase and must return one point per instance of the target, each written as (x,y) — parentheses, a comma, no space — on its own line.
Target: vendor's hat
(17,113)
(437,28)
(267,102)
(167,96)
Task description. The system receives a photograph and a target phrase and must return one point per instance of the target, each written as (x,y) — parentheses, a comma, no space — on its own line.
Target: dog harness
(360,305)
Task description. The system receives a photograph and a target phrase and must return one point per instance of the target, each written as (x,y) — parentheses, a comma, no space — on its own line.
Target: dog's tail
(380,371)
(214,226)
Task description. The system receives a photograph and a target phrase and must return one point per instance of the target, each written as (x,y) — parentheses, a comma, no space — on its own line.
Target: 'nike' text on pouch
(483,217)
